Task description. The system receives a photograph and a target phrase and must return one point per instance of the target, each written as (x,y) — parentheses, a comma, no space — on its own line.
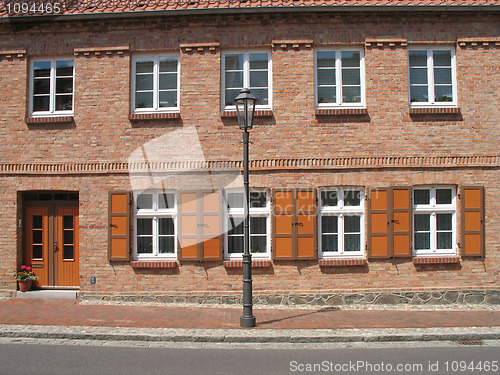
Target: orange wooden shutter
(305,224)
(401,220)
(379,234)
(282,224)
(188,226)
(210,229)
(472,221)
(119,226)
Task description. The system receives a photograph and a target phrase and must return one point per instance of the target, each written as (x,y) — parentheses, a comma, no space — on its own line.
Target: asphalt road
(53,357)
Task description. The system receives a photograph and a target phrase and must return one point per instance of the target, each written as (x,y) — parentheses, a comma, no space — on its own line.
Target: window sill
(434,110)
(341,111)
(256,263)
(342,262)
(443,259)
(258,113)
(49,120)
(153,116)
(154,264)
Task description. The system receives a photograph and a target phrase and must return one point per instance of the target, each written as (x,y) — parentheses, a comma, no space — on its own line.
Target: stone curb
(258,336)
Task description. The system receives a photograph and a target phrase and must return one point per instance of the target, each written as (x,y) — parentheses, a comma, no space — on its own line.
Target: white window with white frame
(155,83)
(52,87)
(434,220)
(341,222)
(340,78)
(260,226)
(247,69)
(155,226)
(432,77)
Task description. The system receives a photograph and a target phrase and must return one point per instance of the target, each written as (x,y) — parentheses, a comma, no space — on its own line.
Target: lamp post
(245,108)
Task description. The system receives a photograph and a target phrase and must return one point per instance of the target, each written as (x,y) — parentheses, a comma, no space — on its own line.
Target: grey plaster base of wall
(466,297)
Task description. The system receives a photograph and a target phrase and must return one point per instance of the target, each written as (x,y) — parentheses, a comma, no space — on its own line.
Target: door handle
(55,247)
(300,224)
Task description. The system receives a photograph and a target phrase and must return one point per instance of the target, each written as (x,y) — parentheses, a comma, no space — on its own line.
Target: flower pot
(24,285)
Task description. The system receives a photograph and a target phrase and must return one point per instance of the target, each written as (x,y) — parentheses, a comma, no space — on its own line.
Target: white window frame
(246,76)
(155,213)
(338,78)
(341,211)
(52,112)
(433,208)
(156,106)
(430,78)
(253,212)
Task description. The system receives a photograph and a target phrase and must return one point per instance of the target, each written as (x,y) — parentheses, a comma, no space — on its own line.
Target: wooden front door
(51,244)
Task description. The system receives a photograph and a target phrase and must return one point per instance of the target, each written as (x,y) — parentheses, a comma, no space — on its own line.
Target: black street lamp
(245,108)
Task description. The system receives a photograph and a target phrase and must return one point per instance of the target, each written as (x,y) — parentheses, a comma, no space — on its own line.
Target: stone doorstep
(55,294)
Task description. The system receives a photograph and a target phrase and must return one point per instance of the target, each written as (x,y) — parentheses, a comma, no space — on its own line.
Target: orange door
(66,251)
(37,242)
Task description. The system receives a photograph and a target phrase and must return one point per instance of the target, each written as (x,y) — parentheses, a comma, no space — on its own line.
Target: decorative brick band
(49,120)
(153,116)
(256,263)
(97,51)
(154,264)
(386,42)
(472,42)
(200,47)
(295,44)
(436,260)
(341,112)
(257,113)
(434,111)
(342,262)
(19,54)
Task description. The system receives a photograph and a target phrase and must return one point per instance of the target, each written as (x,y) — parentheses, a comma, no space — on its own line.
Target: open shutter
(472,221)
(211,227)
(305,223)
(119,226)
(188,226)
(283,210)
(401,219)
(379,244)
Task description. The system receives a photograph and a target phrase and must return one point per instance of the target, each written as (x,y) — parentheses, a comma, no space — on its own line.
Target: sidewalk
(53,318)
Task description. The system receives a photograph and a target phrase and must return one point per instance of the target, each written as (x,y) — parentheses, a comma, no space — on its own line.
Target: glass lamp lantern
(245,108)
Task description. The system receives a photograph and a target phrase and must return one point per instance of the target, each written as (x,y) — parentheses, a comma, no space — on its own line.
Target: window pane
(418,58)
(258,199)
(442,58)
(145,201)
(258,244)
(64,85)
(168,99)
(329,198)
(37,236)
(326,77)
(41,69)
(444,240)
(235,200)
(234,79)
(329,243)
(262,95)
(258,79)
(352,224)
(168,81)
(144,245)
(325,59)
(442,76)
(419,94)
(234,62)
(166,201)
(352,242)
(258,225)
(166,226)
(144,66)
(64,68)
(235,244)
(68,237)
(41,86)
(68,251)
(166,245)
(64,102)
(443,196)
(350,59)
(144,227)
(144,82)
(422,241)
(352,198)
(351,77)
(68,222)
(444,94)
(327,95)
(329,224)
(40,103)
(422,196)
(418,76)
(422,222)
(443,221)
(168,65)
(235,225)
(144,100)
(37,222)
(258,61)
(37,251)
(231,94)
(351,94)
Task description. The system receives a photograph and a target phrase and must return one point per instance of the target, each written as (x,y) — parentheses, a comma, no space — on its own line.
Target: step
(56,294)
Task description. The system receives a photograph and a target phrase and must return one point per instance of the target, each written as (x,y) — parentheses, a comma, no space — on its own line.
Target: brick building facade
(374,158)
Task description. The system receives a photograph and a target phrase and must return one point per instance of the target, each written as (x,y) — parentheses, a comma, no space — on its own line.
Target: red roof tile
(83,7)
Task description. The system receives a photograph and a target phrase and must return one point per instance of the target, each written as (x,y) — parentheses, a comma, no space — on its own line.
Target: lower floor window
(340,234)
(258,235)
(442,235)
(155,236)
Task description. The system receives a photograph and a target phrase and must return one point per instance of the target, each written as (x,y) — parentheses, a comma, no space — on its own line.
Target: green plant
(26,274)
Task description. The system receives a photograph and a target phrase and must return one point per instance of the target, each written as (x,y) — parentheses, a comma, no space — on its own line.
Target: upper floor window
(154,225)
(434,223)
(341,223)
(432,77)
(250,70)
(259,224)
(155,85)
(51,86)
(340,78)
